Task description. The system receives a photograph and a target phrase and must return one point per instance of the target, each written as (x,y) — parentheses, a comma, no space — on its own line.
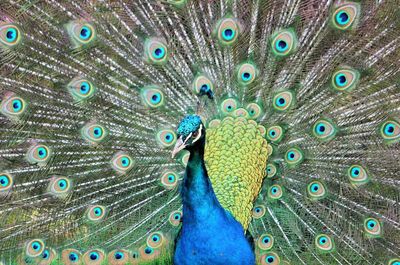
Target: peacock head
(190,131)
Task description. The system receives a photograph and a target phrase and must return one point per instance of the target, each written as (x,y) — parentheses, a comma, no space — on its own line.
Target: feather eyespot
(324,243)
(202,85)
(227,31)
(283,101)
(228,106)
(284,42)
(345,79)
(13,106)
(246,74)
(390,131)
(34,248)
(81,89)
(96,213)
(71,257)
(169,180)
(39,154)
(81,32)
(122,162)
(258,211)
(294,156)
(166,138)
(156,51)
(394,262)
(324,130)
(93,257)
(6,182)
(275,192)
(10,35)
(265,242)
(271,170)
(254,110)
(372,227)
(275,133)
(60,186)
(316,190)
(175,218)
(357,175)
(147,253)
(118,257)
(152,96)
(93,133)
(346,16)
(270,258)
(155,240)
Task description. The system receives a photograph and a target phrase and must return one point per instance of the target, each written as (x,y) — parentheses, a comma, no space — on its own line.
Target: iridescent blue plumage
(209,235)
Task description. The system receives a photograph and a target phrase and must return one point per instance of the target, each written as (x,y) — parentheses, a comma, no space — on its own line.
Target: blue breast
(209,235)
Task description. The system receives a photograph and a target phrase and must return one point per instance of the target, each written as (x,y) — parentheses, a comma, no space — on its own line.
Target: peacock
(200,132)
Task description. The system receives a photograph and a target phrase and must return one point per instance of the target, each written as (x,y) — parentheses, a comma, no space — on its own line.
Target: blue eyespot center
(272,133)
(341,80)
(62,184)
(148,250)
(125,161)
(156,98)
(94,256)
(85,88)
(159,53)
(355,172)
(314,187)
(169,138)
(274,190)
(342,18)
(280,101)
(323,240)
(281,45)
(4,181)
(156,238)
(258,210)
(45,254)
(269,169)
(291,156)
(171,178)
(228,34)
(246,76)
(11,35)
(97,132)
(119,255)
(177,216)
(371,224)
(266,240)
(73,256)
(36,246)
(205,88)
(42,152)
(97,211)
(321,128)
(17,105)
(85,33)
(270,259)
(389,129)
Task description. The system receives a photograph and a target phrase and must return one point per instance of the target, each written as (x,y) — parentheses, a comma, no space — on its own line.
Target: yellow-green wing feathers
(236,155)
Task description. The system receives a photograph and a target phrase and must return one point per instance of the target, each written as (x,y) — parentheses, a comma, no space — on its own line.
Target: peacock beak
(180,144)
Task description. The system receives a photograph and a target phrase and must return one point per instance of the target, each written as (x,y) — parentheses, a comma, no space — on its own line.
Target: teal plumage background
(92,92)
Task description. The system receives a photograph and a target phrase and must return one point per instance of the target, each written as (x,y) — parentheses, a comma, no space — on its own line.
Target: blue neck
(198,196)
(206,226)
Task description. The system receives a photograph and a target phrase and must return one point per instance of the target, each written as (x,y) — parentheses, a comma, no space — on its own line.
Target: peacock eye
(9,35)
(227,31)
(195,134)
